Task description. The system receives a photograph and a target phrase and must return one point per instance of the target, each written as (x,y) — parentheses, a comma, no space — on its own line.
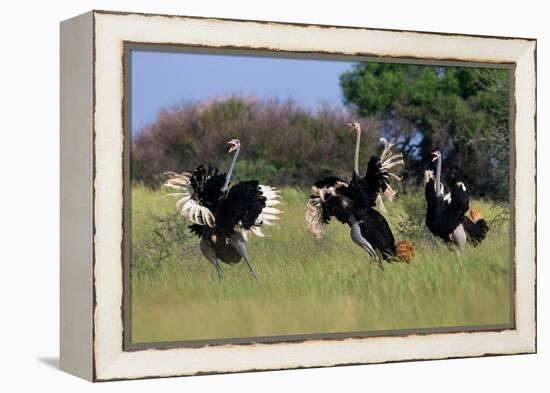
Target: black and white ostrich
(354,204)
(445,212)
(223,217)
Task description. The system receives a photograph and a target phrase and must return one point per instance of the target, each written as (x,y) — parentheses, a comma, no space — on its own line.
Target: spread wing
(330,197)
(247,206)
(198,192)
(269,213)
(377,179)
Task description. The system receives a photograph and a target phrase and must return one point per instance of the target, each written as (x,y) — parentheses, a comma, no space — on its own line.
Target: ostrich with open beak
(445,212)
(223,216)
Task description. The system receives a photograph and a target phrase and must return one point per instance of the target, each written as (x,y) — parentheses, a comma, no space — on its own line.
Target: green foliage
(409,223)
(373,87)
(308,285)
(257,169)
(462,111)
(159,237)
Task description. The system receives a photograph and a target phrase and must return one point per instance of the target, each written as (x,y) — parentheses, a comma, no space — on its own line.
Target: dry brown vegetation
(282,143)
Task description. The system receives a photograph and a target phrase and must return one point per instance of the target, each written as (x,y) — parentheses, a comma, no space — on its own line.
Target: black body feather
(240,205)
(376,230)
(443,217)
(207,185)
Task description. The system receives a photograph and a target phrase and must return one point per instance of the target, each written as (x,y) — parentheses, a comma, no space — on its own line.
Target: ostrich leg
(459,238)
(358,239)
(210,254)
(238,242)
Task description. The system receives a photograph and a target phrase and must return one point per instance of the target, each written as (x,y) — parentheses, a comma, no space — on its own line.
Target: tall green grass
(307,285)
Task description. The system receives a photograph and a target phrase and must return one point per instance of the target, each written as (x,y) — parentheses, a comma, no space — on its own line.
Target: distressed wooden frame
(92,193)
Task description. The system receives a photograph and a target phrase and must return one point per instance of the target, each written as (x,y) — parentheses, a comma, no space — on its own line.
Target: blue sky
(161,79)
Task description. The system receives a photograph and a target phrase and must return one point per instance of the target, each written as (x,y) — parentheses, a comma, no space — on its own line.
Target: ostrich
(445,212)
(353,204)
(223,217)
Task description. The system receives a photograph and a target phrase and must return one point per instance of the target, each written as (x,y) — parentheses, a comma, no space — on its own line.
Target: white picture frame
(93,158)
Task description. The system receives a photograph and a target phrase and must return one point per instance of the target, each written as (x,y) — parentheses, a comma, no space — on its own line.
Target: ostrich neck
(357,145)
(438,177)
(230,170)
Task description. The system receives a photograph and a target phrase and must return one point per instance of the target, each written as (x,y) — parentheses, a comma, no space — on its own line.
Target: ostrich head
(234,145)
(355,126)
(436,154)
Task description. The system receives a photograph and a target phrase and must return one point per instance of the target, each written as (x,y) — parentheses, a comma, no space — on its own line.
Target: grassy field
(308,285)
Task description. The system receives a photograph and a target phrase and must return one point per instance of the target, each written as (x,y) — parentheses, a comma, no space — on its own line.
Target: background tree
(462,111)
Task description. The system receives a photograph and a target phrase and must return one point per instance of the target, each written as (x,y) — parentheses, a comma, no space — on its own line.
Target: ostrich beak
(436,155)
(351,126)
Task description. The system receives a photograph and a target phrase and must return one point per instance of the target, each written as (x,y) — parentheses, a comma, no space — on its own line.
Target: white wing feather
(186,205)
(269,213)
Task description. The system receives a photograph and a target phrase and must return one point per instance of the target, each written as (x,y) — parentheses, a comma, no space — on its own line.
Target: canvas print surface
(276,197)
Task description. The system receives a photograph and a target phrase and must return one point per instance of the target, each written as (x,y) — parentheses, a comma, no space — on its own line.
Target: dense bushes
(282,143)
(463,112)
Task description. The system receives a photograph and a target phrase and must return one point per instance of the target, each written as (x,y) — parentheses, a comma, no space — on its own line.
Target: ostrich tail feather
(405,251)
(475,214)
